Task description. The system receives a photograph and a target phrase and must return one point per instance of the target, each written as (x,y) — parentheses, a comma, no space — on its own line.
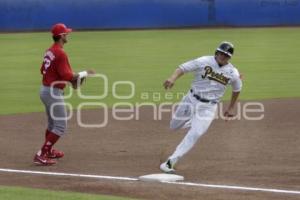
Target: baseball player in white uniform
(198,108)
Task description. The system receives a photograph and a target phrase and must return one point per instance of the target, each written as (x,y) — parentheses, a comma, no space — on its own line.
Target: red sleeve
(64,68)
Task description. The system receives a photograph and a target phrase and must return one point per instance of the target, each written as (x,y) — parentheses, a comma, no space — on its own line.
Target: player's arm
(66,74)
(76,79)
(182,69)
(168,84)
(233,100)
(83,74)
(80,77)
(236,90)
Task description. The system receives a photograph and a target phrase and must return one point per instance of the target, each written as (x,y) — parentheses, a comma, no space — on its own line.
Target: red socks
(46,133)
(51,139)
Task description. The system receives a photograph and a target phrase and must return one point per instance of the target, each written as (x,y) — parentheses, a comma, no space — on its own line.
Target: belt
(201,99)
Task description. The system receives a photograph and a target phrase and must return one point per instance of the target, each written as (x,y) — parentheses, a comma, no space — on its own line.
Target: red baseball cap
(59,29)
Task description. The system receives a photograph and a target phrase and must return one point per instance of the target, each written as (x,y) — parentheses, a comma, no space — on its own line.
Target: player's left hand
(228,115)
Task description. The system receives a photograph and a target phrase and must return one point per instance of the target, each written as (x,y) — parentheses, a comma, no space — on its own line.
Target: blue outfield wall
(117,14)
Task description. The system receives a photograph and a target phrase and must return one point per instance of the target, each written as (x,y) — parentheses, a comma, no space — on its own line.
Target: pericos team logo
(211,75)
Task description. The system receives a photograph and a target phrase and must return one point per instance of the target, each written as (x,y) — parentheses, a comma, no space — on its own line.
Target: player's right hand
(168,84)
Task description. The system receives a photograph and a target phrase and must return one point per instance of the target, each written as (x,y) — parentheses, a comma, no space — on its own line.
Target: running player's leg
(182,114)
(201,121)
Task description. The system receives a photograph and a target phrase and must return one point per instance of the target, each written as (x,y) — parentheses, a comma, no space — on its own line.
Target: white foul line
(67,174)
(232,187)
(228,187)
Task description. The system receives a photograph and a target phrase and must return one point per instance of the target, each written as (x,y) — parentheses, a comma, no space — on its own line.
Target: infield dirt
(264,153)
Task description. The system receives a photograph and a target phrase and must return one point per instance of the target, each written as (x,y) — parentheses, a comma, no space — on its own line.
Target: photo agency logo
(157,104)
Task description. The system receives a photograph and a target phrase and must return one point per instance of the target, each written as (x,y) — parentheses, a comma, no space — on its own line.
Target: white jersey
(211,80)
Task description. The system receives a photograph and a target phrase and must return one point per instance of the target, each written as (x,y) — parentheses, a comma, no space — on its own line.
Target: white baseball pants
(193,114)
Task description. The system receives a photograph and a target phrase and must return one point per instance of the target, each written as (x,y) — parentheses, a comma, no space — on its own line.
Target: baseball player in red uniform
(56,72)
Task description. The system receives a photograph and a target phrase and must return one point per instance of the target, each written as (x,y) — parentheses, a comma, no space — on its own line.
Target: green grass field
(267,57)
(17,193)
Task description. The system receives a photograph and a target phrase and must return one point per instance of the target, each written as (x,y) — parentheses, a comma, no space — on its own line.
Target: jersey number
(47,63)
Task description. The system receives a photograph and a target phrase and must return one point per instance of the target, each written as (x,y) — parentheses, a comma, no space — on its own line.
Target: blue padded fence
(118,14)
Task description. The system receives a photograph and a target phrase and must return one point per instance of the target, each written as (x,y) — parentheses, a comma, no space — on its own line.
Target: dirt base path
(263,153)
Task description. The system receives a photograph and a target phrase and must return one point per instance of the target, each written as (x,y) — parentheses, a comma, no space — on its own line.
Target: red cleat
(55,154)
(43,160)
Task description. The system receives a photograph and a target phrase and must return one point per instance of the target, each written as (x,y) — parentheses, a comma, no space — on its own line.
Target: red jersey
(56,67)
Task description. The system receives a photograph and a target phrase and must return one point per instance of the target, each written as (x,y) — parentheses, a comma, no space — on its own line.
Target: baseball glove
(77,83)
